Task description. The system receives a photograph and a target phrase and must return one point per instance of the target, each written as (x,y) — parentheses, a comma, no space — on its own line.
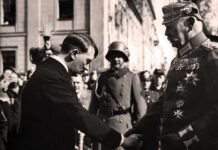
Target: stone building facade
(130,21)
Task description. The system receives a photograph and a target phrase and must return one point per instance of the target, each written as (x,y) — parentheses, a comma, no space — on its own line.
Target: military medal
(178,114)
(179,103)
(191,78)
(180,88)
(185,64)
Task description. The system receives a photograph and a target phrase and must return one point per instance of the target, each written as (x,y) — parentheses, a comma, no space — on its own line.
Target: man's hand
(129,132)
(132,140)
(172,141)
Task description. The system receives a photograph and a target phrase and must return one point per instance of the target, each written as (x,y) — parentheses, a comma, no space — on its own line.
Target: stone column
(33,21)
(98,30)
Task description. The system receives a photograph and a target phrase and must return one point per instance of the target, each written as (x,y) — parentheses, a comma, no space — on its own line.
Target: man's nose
(86,67)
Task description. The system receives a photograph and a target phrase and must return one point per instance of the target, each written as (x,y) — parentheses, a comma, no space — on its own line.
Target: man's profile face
(176,33)
(81,61)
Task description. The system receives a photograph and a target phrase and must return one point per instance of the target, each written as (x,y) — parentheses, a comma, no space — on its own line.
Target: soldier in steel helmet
(187,112)
(117,91)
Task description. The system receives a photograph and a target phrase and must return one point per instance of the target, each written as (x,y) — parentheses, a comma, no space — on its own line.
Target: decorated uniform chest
(185,93)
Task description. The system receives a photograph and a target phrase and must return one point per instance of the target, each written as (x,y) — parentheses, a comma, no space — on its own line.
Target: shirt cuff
(122,140)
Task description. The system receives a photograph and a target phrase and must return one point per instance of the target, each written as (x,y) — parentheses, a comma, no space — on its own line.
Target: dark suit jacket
(51,112)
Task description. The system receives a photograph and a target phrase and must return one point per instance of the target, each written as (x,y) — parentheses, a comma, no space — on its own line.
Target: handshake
(132,140)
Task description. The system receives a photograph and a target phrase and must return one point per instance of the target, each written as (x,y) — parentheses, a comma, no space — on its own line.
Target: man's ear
(74,53)
(71,55)
(189,23)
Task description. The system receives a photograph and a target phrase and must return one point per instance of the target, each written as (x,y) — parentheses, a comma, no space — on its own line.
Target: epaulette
(210,45)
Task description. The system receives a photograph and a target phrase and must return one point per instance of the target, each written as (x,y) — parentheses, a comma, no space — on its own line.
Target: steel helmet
(118,47)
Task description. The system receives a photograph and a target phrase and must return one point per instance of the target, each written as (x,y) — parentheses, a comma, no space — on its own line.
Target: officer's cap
(174,11)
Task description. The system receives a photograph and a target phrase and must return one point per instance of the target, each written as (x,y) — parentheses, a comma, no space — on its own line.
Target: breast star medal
(191,78)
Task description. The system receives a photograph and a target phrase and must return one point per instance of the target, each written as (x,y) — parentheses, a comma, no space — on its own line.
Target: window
(65,9)
(8,12)
(8,59)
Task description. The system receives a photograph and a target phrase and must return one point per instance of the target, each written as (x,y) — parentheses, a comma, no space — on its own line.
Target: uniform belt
(110,113)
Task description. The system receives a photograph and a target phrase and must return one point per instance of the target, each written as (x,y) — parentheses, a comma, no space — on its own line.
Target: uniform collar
(121,72)
(193,43)
(60,61)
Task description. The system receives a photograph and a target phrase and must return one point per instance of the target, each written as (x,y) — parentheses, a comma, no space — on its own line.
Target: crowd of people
(65,106)
(86,90)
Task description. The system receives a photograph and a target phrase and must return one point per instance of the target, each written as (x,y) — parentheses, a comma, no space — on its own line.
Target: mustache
(85,68)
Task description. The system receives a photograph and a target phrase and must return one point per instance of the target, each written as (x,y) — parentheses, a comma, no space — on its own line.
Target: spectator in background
(86,77)
(5,114)
(158,81)
(10,106)
(37,56)
(150,96)
(92,79)
(143,76)
(53,50)
(84,97)
(83,94)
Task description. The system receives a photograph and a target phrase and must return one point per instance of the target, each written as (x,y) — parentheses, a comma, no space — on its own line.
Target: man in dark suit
(50,108)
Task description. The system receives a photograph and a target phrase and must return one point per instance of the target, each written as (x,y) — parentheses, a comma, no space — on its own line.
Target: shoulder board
(210,45)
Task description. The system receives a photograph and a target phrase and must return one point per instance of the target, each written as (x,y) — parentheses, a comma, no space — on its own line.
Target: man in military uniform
(158,81)
(117,91)
(187,112)
(150,96)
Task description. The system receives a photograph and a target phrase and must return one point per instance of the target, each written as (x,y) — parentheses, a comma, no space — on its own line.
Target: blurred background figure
(84,97)
(10,105)
(150,96)
(145,77)
(83,94)
(49,47)
(158,81)
(53,50)
(86,77)
(5,117)
(92,79)
(36,58)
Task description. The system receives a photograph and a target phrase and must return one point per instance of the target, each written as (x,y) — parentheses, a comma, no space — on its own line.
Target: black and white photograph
(108,75)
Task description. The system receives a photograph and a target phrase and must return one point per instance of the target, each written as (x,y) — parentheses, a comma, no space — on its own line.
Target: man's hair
(80,41)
